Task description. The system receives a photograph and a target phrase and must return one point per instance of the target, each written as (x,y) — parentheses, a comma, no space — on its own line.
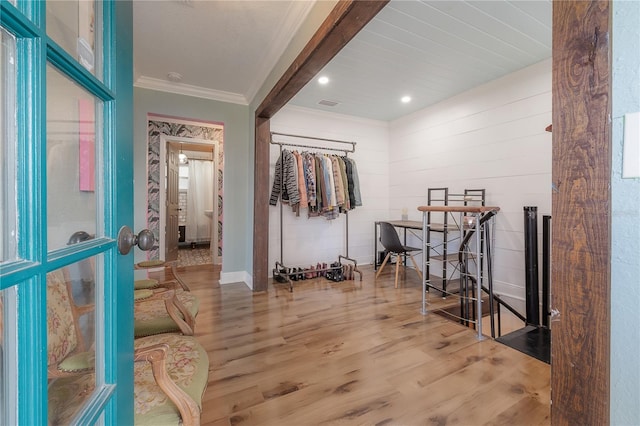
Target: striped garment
(286,173)
(310,177)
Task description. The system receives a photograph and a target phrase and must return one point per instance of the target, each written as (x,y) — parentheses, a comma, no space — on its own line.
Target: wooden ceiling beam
(345,20)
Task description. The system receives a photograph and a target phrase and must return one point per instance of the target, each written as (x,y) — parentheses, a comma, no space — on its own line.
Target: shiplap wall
(307,241)
(490,137)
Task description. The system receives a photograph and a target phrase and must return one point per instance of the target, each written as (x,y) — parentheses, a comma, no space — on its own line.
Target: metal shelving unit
(443,237)
(472,254)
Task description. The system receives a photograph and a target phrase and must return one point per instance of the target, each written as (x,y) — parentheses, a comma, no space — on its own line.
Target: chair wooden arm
(85,309)
(186,322)
(156,355)
(175,274)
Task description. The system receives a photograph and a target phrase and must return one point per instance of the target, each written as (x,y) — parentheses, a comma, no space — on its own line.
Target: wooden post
(581,276)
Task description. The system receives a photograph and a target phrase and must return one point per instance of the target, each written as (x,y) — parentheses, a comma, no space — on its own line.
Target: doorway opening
(184,206)
(190,218)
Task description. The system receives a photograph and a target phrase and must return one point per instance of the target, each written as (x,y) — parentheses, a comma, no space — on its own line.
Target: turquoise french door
(66,179)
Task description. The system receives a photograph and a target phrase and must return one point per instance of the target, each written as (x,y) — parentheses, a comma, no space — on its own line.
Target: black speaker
(531,264)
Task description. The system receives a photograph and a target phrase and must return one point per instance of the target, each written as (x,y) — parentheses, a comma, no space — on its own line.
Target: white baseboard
(236,277)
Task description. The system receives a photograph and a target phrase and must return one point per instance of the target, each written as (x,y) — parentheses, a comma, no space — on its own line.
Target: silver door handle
(127,239)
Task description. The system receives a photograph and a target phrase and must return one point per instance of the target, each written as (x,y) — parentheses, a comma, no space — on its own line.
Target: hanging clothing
(330,183)
(356,183)
(349,173)
(291,174)
(321,192)
(285,182)
(302,186)
(345,183)
(310,177)
(337,181)
(277,187)
(325,185)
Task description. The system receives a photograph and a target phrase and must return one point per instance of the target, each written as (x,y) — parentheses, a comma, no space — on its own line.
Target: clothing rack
(352,149)
(346,151)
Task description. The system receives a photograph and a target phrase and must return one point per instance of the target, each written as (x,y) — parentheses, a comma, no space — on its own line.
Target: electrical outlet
(631,150)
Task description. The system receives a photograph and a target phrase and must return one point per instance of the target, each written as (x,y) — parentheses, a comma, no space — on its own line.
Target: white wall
(308,241)
(490,137)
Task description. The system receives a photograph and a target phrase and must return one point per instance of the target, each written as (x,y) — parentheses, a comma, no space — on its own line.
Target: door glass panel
(72,149)
(8,359)
(76,26)
(3,339)
(8,181)
(71,341)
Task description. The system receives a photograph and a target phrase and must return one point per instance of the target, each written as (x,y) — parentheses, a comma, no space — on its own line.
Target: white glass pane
(8,181)
(71,331)
(72,159)
(77,26)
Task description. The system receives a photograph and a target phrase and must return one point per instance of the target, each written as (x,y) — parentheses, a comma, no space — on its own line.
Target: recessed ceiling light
(323,80)
(405,99)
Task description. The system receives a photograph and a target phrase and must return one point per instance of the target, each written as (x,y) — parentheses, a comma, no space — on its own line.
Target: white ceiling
(223,49)
(429,50)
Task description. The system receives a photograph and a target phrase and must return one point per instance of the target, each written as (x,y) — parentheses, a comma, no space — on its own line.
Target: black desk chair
(391,242)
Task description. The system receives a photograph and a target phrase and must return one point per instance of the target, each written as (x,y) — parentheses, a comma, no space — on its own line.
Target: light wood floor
(355,352)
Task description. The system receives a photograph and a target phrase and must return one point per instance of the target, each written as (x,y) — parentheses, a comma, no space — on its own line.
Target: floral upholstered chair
(157,315)
(183,361)
(66,350)
(164,311)
(170,370)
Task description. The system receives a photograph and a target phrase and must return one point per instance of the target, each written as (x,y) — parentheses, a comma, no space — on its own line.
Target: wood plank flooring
(355,352)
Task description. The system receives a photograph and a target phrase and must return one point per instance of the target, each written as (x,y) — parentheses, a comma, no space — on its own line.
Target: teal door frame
(23,281)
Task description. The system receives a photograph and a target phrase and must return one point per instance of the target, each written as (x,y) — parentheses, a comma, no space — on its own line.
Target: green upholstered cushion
(151,317)
(145,284)
(150,263)
(142,294)
(83,361)
(187,364)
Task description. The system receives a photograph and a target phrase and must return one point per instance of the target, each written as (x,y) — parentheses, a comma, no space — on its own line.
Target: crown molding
(189,90)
